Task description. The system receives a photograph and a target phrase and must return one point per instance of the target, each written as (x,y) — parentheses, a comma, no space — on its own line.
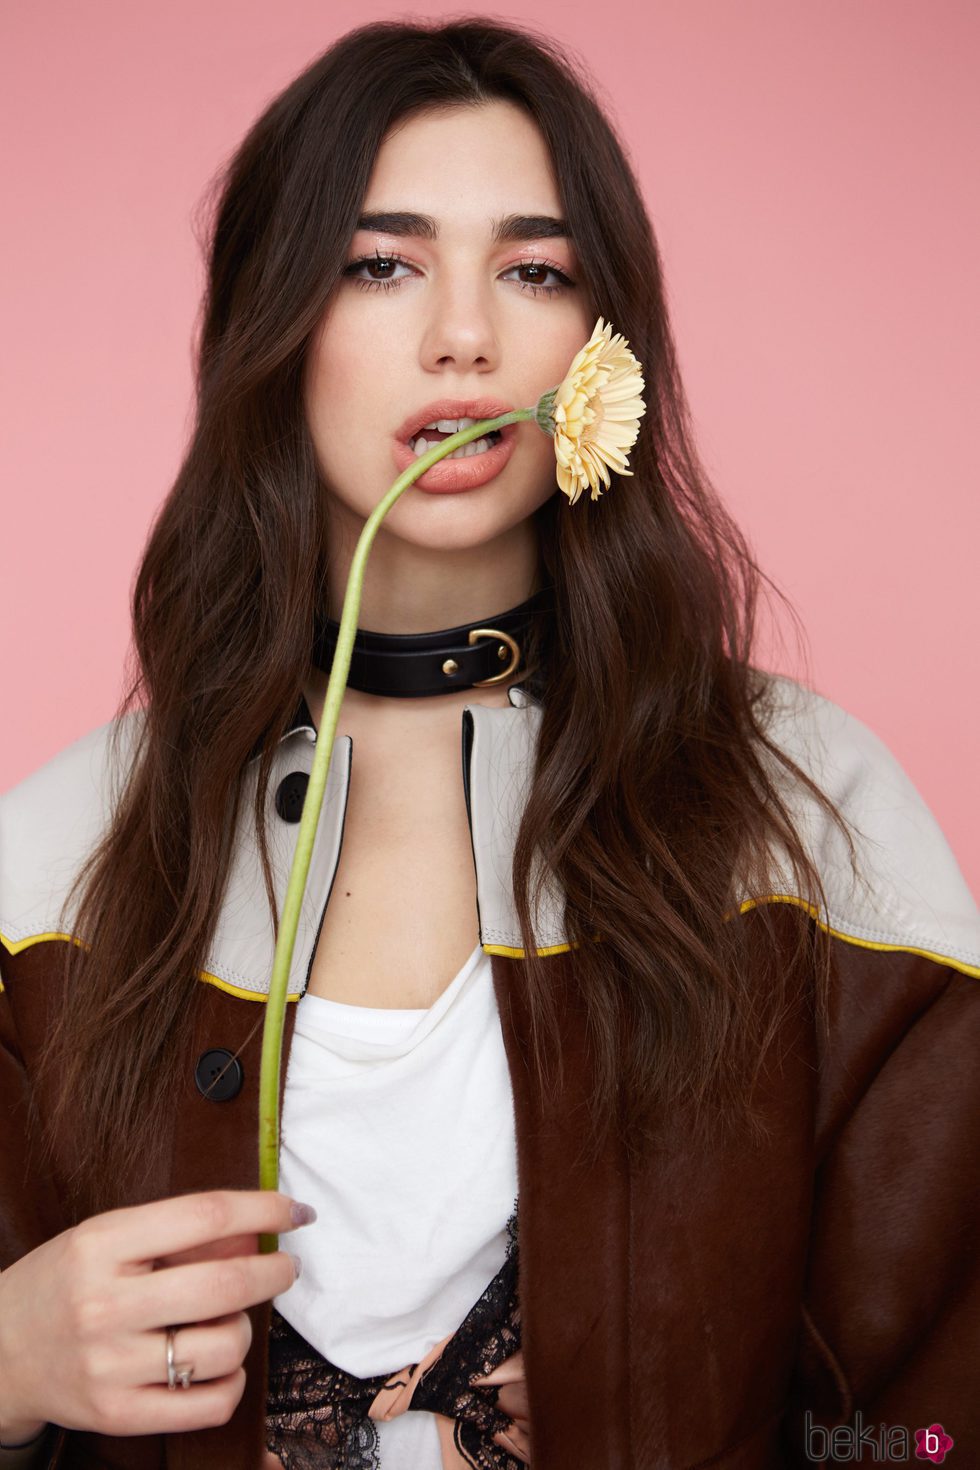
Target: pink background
(811,173)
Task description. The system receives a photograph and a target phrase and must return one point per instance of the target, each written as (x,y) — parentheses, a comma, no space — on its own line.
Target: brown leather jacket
(723,1309)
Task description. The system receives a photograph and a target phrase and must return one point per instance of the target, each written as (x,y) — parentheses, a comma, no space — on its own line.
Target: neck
(411,588)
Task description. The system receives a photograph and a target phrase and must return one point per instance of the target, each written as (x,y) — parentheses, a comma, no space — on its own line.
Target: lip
(460,474)
(451,408)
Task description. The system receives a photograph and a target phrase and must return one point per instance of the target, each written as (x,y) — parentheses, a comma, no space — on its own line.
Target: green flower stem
(269,1078)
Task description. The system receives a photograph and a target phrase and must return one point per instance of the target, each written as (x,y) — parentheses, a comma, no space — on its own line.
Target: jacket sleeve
(891,1311)
(26,1202)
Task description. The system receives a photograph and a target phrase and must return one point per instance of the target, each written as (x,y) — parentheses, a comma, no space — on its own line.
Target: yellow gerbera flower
(596,413)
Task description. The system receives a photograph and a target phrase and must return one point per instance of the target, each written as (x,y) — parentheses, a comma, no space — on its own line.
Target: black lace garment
(317,1415)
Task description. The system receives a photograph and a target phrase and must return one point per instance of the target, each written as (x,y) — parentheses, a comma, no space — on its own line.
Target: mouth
(473,465)
(426,438)
(445,414)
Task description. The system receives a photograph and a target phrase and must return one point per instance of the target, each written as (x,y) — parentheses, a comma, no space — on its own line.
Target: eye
(377,261)
(549,269)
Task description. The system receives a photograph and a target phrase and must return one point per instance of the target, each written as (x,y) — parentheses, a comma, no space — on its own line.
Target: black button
(291,794)
(219,1075)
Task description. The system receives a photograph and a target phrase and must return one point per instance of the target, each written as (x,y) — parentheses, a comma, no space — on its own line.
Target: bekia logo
(932,1444)
(864,1444)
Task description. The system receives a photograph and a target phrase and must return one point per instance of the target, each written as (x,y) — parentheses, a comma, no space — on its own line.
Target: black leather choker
(409,665)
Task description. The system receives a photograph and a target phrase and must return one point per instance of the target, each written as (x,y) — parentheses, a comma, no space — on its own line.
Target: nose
(460,331)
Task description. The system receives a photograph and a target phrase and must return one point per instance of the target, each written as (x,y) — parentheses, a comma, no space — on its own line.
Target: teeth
(479,446)
(450,426)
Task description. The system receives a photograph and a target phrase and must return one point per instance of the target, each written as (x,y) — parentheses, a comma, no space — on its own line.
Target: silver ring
(177,1372)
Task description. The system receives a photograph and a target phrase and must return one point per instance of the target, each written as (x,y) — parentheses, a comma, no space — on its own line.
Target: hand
(83,1317)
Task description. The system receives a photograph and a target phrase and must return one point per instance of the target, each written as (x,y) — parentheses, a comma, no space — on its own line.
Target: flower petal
(597,410)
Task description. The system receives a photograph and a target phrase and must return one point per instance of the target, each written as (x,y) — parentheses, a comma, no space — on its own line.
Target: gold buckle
(515,653)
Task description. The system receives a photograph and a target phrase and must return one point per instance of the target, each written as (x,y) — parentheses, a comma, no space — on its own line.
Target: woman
(632,1074)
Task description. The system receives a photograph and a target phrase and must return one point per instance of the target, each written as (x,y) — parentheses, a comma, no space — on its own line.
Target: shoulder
(50,822)
(908,891)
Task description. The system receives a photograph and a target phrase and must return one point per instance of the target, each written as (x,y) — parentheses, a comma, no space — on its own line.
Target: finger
(204,1289)
(139,1234)
(512,1399)
(160,1410)
(212,1250)
(214,1349)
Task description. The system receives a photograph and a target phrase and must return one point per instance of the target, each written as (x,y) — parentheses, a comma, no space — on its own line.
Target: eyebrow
(510,227)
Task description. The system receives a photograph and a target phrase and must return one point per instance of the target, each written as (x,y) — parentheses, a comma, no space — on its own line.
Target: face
(459,316)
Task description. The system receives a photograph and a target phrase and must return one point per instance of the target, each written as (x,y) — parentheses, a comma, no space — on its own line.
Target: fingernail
(298,1264)
(302,1214)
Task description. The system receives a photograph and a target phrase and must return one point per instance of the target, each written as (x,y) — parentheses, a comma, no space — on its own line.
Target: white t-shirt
(398,1126)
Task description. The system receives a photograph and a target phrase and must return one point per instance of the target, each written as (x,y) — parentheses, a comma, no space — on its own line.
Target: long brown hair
(648,793)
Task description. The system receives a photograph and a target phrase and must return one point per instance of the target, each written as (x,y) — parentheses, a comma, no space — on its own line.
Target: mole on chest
(401,920)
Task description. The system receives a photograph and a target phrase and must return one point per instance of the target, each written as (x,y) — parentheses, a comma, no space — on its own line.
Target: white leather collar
(915,899)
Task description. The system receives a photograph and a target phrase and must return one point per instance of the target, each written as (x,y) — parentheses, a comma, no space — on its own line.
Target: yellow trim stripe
(520,954)
(16,945)
(929,954)
(237,990)
(509,952)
